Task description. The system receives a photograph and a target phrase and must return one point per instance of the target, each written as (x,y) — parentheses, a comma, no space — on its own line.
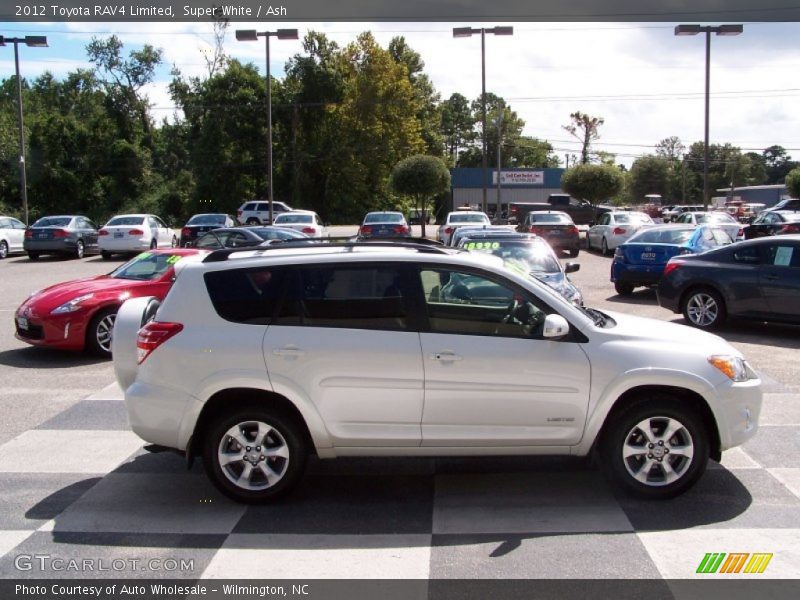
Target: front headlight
(71,306)
(733,367)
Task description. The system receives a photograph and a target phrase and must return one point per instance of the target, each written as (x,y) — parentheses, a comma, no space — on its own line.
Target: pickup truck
(582,212)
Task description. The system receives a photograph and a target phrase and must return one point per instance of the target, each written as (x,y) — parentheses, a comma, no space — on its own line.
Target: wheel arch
(226,400)
(701,284)
(689,397)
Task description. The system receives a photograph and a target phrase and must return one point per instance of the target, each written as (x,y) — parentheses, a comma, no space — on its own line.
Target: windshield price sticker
(482,245)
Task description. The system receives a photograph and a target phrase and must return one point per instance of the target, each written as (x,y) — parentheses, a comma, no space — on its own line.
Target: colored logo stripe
(734,563)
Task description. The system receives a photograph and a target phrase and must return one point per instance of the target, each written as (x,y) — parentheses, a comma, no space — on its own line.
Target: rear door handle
(289,352)
(446,357)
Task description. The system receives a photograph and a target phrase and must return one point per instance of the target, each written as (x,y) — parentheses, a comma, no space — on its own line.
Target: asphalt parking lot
(75,483)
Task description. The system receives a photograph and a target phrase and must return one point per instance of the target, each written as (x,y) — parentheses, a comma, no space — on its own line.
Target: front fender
(643,377)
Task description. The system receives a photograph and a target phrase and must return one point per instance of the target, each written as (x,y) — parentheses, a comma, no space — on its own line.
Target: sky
(646,83)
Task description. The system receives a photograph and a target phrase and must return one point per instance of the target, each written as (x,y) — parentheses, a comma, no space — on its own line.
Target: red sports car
(79,314)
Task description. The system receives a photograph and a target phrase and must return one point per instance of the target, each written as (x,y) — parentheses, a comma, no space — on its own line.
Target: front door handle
(288,351)
(446,357)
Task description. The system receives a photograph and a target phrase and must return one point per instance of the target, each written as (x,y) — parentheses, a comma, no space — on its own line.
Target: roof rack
(422,245)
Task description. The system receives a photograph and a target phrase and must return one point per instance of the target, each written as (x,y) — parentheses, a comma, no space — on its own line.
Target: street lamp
(34,41)
(725,30)
(251,35)
(467,32)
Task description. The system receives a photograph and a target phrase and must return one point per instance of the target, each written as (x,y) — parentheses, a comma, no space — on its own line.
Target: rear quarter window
(249,296)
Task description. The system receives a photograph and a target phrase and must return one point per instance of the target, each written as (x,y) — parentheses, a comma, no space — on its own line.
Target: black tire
(80,249)
(3,249)
(639,432)
(284,435)
(153,245)
(33,255)
(574,252)
(253,221)
(105,255)
(704,308)
(604,247)
(623,289)
(98,333)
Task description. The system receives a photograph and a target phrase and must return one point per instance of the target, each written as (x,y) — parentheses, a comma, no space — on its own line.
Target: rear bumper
(157,414)
(636,274)
(125,245)
(55,246)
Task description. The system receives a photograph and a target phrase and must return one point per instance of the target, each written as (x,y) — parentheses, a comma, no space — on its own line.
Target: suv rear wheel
(657,448)
(254,455)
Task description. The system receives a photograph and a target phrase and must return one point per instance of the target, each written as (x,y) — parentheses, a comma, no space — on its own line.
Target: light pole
(251,35)
(727,30)
(499,208)
(467,32)
(34,41)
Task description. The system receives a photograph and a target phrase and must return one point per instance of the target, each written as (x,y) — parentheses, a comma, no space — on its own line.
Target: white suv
(256,212)
(256,359)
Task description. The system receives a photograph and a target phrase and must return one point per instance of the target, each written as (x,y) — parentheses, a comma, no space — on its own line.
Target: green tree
(649,175)
(593,183)
(422,177)
(670,148)
(793,182)
(457,125)
(777,163)
(125,79)
(585,129)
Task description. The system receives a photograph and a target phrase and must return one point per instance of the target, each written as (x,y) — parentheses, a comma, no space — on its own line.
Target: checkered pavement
(81,486)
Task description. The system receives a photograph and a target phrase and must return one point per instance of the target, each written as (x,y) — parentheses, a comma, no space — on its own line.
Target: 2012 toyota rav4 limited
(256,359)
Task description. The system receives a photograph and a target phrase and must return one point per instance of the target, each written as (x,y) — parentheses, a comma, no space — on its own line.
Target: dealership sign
(519,177)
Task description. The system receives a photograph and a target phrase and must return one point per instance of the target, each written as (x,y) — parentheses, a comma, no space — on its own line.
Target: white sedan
(133,233)
(304,221)
(460,218)
(614,228)
(718,218)
(12,235)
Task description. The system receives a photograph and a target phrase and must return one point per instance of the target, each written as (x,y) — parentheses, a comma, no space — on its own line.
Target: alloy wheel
(658,451)
(253,455)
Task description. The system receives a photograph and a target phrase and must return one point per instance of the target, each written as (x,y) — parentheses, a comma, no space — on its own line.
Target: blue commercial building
(516,185)
(768,195)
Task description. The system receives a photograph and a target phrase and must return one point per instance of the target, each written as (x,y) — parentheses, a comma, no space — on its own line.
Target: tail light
(619,255)
(186,232)
(449,230)
(793,228)
(152,335)
(365,230)
(672,265)
(400,229)
(309,230)
(238,213)
(103,232)
(29,233)
(572,230)
(534,229)
(60,233)
(740,233)
(618,231)
(136,232)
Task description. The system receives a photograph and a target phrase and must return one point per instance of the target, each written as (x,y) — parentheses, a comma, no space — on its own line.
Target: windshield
(125,221)
(519,256)
(384,217)
(632,218)
(549,218)
(265,233)
(664,236)
(146,266)
(715,218)
(52,222)
(467,218)
(293,219)
(207,220)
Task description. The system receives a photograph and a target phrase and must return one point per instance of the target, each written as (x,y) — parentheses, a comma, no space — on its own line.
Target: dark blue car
(641,260)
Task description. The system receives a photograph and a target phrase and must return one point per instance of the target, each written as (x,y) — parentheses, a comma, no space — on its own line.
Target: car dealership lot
(75,483)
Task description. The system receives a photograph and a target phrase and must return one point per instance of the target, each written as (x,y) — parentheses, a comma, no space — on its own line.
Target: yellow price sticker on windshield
(482,245)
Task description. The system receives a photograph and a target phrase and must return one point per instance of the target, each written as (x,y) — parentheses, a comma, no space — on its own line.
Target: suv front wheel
(254,455)
(657,448)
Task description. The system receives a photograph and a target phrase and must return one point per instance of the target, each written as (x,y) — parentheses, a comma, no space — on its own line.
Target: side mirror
(571,267)
(555,326)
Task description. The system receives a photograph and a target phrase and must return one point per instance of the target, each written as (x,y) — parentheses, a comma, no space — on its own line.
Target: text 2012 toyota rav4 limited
(255,359)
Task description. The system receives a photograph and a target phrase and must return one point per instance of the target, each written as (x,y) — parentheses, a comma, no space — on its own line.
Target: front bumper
(65,332)
(737,412)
